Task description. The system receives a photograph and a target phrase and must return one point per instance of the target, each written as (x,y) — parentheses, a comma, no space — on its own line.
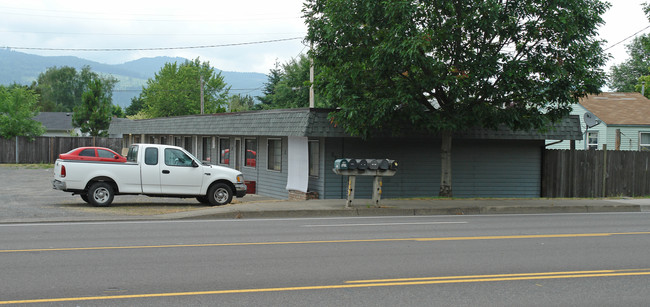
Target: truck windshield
(132,156)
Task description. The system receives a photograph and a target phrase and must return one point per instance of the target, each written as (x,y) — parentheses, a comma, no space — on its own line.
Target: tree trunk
(445,165)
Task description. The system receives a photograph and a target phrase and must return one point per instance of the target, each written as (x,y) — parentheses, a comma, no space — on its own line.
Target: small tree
(17,108)
(94,114)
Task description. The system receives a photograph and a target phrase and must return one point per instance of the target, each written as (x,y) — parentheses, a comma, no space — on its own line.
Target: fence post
(16,149)
(604,170)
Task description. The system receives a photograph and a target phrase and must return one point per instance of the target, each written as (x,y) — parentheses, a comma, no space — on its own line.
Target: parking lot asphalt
(27,196)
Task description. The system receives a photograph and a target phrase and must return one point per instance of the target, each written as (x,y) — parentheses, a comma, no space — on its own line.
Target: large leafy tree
(60,88)
(446,65)
(17,108)
(94,113)
(176,90)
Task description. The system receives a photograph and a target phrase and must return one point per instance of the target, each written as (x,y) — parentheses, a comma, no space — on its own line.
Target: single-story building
(622,121)
(57,123)
(295,149)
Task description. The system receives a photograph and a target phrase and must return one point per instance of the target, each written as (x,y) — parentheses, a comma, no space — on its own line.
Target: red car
(100,154)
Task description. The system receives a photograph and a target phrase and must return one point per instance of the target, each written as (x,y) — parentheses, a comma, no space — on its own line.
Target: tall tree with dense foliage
(17,108)
(176,90)
(94,114)
(445,66)
(60,88)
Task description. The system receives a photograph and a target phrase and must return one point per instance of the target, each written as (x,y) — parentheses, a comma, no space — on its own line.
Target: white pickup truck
(152,170)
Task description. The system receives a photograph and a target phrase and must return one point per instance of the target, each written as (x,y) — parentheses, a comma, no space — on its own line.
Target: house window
(314,158)
(275,155)
(178,141)
(592,140)
(136,139)
(224,150)
(163,140)
(152,139)
(207,148)
(644,141)
(251,152)
(188,144)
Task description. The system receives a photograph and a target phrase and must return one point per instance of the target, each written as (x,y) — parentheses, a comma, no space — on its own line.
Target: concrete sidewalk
(268,208)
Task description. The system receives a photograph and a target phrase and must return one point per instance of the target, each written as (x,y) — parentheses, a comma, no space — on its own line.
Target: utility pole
(311,79)
(201,94)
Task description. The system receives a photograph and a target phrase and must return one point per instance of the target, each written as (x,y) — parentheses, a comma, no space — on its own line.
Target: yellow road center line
(579,235)
(460,279)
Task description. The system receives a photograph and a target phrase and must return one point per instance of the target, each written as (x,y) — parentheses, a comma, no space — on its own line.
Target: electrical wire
(157,48)
(633,35)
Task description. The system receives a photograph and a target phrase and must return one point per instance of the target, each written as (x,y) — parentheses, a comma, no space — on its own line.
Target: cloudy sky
(243,35)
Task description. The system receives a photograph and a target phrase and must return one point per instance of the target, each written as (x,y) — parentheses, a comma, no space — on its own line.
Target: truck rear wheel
(220,194)
(100,194)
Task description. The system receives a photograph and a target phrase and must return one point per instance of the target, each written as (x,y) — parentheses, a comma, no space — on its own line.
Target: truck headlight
(240,178)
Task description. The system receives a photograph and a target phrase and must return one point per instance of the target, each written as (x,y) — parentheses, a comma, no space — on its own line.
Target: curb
(366,212)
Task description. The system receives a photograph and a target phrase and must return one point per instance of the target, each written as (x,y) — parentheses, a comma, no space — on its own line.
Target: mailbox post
(365,167)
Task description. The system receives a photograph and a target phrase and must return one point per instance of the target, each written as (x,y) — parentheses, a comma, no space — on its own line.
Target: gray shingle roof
(302,122)
(60,121)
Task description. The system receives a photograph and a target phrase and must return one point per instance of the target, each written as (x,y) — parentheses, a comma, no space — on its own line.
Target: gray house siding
(486,163)
(271,183)
(479,168)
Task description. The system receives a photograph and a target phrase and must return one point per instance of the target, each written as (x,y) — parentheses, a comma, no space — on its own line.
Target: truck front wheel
(220,194)
(100,194)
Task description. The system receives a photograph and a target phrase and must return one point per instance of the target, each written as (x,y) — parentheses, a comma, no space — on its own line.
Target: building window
(275,154)
(251,152)
(163,140)
(136,139)
(644,141)
(314,158)
(224,151)
(152,139)
(178,141)
(188,144)
(592,140)
(207,148)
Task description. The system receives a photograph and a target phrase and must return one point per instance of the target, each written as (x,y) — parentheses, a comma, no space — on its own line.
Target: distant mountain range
(23,68)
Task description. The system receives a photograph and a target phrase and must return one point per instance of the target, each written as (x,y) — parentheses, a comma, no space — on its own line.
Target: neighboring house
(295,150)
(57,123)
(624,122)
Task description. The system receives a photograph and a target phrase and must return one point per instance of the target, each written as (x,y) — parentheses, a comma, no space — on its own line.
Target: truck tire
(203,199)
(220,194)
(84,197)
(100,194)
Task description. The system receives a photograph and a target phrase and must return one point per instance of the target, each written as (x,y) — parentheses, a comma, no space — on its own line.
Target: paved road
(496,260)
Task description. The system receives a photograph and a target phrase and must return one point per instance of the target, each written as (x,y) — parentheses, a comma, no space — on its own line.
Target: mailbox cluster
(365,164)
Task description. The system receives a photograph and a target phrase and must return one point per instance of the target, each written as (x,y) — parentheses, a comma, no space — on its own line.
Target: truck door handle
(165,172)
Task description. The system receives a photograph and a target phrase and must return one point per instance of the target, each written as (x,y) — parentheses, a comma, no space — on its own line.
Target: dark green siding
(479,168)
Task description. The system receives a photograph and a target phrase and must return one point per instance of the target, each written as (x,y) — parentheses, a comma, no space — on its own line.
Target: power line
(156,48)
(633,35)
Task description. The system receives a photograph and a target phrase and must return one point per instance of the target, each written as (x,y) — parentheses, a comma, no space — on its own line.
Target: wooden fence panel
(47,149)
(587,173)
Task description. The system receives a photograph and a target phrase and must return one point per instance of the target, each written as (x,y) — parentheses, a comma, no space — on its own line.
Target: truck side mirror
(194,164)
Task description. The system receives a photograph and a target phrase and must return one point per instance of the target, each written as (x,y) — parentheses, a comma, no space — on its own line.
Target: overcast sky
(249,25)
